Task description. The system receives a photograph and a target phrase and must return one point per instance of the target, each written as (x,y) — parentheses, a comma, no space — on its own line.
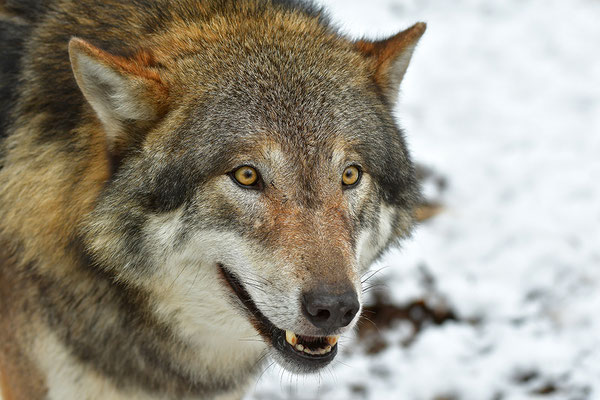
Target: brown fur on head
(127,164)
(299,113)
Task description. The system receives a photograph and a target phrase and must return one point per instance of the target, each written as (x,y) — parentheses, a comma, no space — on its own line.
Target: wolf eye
(246,176)
(351,176)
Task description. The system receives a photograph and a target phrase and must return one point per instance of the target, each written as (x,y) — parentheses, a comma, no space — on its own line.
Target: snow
(503,99)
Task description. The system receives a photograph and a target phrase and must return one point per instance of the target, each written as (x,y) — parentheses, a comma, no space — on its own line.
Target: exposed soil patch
(382,315)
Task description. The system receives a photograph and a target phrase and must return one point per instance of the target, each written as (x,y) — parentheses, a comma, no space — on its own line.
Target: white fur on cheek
(366,248)
(191,288)
(371,242)
(386,220)
(190,295)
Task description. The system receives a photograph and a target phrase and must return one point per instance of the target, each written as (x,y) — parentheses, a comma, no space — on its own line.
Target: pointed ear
(390,58)
(125,93)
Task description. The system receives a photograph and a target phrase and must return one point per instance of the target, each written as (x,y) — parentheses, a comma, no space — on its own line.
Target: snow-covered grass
(503,98)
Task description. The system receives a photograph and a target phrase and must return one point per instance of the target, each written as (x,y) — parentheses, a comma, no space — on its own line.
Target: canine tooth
(327,349)
(299,347)
(332,340)
(291,338)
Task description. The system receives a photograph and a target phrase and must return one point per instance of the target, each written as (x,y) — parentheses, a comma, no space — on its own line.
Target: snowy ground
(503,99)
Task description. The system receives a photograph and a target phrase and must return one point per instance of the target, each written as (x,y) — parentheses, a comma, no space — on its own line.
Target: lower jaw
(300,361)
(287,354)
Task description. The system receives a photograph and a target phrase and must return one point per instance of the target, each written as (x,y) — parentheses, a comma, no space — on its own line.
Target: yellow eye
(351,176)
(246,176)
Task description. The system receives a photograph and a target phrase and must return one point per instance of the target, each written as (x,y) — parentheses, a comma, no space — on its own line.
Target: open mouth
(311,345)
(307,352)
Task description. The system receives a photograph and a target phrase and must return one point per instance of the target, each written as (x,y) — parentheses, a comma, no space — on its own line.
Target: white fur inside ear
(397,72)
(115,97)
(401,64)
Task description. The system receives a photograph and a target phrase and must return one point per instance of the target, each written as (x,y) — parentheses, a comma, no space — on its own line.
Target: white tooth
(327,349)
(299,347)
(307,351)
(291,338)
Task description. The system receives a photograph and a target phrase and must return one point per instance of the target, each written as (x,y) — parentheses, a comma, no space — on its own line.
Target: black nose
(330,311)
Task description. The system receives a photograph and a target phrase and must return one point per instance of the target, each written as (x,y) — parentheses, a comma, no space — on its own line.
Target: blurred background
(497,295)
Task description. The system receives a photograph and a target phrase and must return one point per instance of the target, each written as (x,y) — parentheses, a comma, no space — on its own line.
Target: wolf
(189,188)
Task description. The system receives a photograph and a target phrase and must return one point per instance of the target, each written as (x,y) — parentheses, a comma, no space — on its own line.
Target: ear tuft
(123,92)
(390,58)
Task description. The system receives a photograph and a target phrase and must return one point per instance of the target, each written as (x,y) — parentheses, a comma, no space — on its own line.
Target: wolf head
(257,172)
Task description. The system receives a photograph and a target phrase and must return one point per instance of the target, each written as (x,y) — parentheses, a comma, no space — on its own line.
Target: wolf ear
(125,93)
(390,58)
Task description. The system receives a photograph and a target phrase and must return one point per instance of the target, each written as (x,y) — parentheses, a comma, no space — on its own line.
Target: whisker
(193,282)
(262,373)
(373,323)
(344,364)
(363,281)
(251,340)
(177,277)
(375,286)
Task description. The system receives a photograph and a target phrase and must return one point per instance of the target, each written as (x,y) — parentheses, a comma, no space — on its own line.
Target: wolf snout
(326,309)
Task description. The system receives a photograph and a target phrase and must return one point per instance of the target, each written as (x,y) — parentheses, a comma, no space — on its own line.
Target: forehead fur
(286,76)
(247,70)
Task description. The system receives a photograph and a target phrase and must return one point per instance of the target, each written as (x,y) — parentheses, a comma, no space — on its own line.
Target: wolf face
(257,172)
